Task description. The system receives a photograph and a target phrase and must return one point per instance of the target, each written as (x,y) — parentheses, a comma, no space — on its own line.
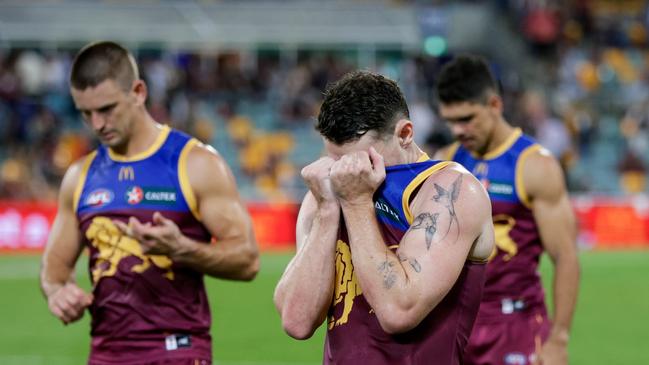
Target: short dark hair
(359,102)
(102,61)
(467,78)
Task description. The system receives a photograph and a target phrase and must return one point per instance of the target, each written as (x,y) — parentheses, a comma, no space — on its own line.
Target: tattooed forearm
(448,199)
(427,222)
(389,276)
(413,263)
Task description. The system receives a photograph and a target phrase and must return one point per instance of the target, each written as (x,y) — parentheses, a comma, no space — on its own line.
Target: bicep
(556,224)
(450,215)
(64,242)
(426,253)
(224,216)
(550,204)
(220,207)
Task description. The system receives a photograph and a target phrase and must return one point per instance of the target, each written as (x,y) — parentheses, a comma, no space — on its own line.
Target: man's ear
(404,131)
(495,103)
(140,91)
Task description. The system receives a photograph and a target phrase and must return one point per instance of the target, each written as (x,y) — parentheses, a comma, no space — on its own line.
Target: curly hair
(359,102)
(466,78)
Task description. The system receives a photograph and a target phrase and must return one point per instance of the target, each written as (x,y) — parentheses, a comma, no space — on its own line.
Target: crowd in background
(589,106)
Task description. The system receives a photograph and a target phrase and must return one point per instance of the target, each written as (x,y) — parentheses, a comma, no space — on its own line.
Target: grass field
(610,325)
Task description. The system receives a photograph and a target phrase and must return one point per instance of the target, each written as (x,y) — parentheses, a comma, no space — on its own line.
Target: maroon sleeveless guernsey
(354,335)
(146,307)
(513,284)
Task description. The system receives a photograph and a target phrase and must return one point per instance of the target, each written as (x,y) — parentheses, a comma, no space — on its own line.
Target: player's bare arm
(304,292)
(234,255)
(65,299)
(544,182)
(452,221)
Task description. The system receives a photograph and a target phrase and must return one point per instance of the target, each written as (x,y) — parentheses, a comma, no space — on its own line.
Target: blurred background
(248,76)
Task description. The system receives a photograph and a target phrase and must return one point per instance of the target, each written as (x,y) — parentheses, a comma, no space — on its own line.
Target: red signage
(25,226)
(604,223)
(613,223)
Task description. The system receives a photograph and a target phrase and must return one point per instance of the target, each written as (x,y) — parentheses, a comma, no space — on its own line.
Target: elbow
(568,257)
(251,267)
(394,326)
(294,324)
(298,330)
(394,321)
(243,266)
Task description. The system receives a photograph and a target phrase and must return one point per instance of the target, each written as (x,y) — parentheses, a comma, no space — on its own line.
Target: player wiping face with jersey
(391,244)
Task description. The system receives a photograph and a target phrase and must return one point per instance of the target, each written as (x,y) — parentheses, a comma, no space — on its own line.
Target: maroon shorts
(175,349)
(513,341)
(178,361)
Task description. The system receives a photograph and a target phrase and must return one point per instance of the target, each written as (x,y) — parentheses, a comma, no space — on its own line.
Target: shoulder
(73,175)
(455,173)
(541,173)
(453,184)
(200,153)
(206,168)
(455,201)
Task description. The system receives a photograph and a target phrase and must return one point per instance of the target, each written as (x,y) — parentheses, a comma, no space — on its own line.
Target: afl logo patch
(134,195)
(99,197)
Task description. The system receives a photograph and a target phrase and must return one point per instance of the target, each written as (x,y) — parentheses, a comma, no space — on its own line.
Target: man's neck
(500,134)
(414,153)
(143,136)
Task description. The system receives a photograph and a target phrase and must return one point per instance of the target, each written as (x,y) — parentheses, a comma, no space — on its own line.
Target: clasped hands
(350,180)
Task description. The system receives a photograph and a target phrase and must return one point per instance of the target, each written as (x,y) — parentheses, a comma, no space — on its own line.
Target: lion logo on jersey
(346,287)
(114,246)
(503,224)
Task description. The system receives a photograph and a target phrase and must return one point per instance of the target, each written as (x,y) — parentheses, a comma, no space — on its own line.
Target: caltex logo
(134,195)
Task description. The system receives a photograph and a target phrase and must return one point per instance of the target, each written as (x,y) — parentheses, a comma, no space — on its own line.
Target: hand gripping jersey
(512,284)
(145,306)
(354,335)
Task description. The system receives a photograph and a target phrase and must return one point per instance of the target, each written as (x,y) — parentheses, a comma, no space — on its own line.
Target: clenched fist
(316,176)
(356,176)
(69,302)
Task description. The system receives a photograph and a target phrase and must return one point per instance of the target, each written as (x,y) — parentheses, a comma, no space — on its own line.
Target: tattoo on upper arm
(428,222)
(448,199)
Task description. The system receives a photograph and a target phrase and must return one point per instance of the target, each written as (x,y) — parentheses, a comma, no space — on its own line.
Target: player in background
(391,245)
(531,214)
(147,204)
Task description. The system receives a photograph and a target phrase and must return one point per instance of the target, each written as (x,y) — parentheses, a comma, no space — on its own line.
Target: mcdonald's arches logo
(126,173)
